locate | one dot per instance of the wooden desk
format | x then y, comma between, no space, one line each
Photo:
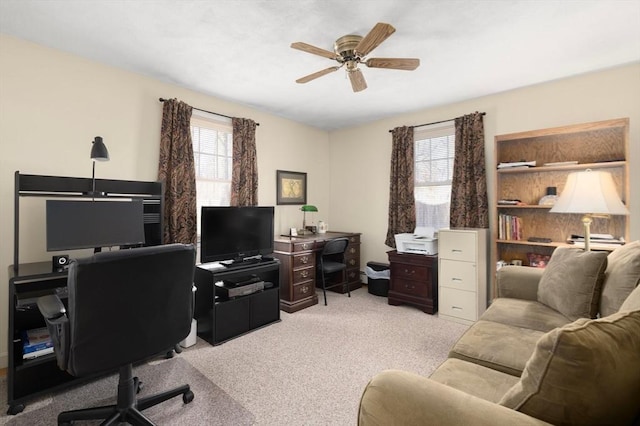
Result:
297,257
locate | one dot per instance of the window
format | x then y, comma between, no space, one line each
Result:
433,173
213,151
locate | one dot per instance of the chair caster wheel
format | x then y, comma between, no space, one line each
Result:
187,397
15,409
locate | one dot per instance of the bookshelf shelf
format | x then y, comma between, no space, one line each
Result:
600,145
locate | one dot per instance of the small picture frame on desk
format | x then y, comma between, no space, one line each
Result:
293,232
291,187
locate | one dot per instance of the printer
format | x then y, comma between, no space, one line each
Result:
423,240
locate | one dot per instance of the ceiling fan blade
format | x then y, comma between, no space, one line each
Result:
314,50
377,35
357,80
315,75
408,64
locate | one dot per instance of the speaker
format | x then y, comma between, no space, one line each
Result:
60,262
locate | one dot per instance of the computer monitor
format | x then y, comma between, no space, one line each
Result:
76,224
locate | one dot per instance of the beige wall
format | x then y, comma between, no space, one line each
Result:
52,104
360,156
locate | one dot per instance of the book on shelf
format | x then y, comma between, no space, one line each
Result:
36,342
509,227
597,239
560,163
510,202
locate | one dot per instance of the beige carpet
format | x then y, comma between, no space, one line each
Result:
311,367
210,402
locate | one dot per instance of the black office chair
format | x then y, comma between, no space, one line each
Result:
331,262
123,307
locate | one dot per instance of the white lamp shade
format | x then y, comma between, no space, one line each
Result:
590,192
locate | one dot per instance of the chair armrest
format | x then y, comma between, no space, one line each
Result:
396,397
51,307
518,282
55,316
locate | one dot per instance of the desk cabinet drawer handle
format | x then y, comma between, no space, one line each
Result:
407,272
304,289
304,274
456,279
456,250
456,307
304,259
352,250
305,246
352,262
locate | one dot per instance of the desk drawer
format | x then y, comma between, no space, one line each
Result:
302,260
409,272
304,246
459,275
458,303
303,290
300,275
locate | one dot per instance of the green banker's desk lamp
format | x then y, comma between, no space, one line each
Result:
306,208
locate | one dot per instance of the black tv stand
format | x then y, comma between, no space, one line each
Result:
220,318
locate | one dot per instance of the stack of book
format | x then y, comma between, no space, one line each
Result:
509,227
36,342
517,164
605,241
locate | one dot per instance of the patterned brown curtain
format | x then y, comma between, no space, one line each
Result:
469,205
402,210
176,169
244,178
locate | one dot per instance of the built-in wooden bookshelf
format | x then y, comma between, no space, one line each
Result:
599,145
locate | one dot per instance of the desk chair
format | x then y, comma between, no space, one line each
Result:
332,261
123,307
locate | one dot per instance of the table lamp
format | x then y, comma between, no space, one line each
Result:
99,152
306,208
591,193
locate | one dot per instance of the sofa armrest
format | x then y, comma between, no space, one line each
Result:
518,282
396,397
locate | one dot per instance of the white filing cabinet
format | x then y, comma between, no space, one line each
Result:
462,279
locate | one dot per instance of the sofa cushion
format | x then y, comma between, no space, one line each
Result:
525,314
572,280
498,346
583,373
620,278
632,302
474,379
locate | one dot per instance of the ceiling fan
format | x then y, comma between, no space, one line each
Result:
351,50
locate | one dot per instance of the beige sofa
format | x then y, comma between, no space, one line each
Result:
559,345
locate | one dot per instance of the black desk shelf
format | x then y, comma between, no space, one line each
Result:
28,281
220,319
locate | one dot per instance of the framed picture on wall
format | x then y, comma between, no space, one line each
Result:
291,187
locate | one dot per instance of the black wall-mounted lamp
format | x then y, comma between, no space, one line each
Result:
99,152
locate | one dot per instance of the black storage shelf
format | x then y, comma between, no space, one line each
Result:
28,378
221,319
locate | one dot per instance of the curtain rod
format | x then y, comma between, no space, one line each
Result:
435,122
204,110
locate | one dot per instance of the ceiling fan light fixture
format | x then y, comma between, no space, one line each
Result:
351,49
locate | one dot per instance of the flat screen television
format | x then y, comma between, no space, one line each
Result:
73,224
235,233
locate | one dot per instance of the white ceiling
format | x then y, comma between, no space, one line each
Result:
238,50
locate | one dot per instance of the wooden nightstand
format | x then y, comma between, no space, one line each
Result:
414,280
